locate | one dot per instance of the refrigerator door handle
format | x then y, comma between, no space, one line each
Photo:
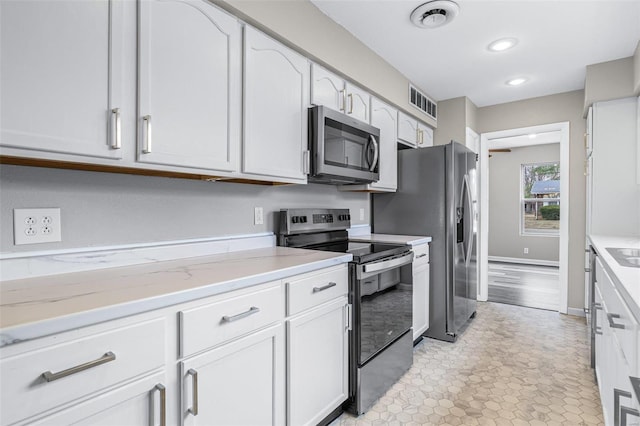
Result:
470,216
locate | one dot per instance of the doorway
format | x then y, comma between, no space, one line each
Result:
530,220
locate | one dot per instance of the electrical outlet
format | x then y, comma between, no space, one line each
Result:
34,226
526,250
258,217
361,214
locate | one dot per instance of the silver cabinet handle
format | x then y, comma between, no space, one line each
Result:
612,323
350,96
343,92
420,256
324,287
146,149
163,403
107,357
376,153
626,411
194,388
116,130
594,323
230,318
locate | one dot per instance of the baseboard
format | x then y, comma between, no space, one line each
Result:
524,261
576,312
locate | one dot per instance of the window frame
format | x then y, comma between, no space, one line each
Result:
522,200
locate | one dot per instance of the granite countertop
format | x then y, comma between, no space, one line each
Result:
410,240
36,307
626,278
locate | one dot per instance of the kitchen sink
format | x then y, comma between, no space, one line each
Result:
626,256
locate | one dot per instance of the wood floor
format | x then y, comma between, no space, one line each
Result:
532,286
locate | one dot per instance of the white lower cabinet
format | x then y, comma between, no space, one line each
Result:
317,353
616,354
239,383
141,403
420,281
317,345
222,360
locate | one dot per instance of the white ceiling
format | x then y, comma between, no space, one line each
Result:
557,40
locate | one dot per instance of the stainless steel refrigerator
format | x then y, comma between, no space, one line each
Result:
436,197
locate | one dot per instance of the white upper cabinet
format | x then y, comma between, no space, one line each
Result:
332,91
358,102
425,136
407,129
61,77
189,85
276,100
385,118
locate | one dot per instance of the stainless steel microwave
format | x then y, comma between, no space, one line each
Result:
343,149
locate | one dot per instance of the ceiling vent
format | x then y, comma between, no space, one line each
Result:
434,14
422,102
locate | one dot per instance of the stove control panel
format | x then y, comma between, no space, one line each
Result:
293,221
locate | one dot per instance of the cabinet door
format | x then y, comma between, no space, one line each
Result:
141,403
420,300
407,129
358,102
327,89
317,362
61,76
425,136
240,383
276,99
385,118
190,76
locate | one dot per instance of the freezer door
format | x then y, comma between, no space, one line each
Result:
459,202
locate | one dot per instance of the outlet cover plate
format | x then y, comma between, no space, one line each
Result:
35,226
258,216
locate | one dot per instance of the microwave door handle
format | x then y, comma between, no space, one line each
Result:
376,153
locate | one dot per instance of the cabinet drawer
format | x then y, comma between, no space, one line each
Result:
209,325
25,390
420,254
307,291
620,319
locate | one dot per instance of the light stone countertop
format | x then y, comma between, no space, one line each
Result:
410,240
36,307
626,278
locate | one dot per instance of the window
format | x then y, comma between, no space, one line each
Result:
540,199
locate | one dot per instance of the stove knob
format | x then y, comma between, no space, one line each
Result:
348,217
294,219
303,219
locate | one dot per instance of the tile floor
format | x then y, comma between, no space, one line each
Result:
512,366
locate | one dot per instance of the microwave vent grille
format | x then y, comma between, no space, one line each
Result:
422,102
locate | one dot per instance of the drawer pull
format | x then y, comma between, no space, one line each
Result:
624,412
116,130
50,377
163,403
194,389
594,323
617,407
251,311
146,149
612,323
420,255
324,287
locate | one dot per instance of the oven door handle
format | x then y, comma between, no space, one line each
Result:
369,269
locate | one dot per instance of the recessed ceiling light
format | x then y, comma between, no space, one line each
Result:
516,81
502,44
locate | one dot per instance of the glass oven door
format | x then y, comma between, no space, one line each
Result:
383,304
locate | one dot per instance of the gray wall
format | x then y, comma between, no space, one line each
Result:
451,121
608,80
504,205
553,109
636,70
100,209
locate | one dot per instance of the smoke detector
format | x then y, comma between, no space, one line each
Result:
434,14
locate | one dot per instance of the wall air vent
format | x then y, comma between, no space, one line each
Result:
422,102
